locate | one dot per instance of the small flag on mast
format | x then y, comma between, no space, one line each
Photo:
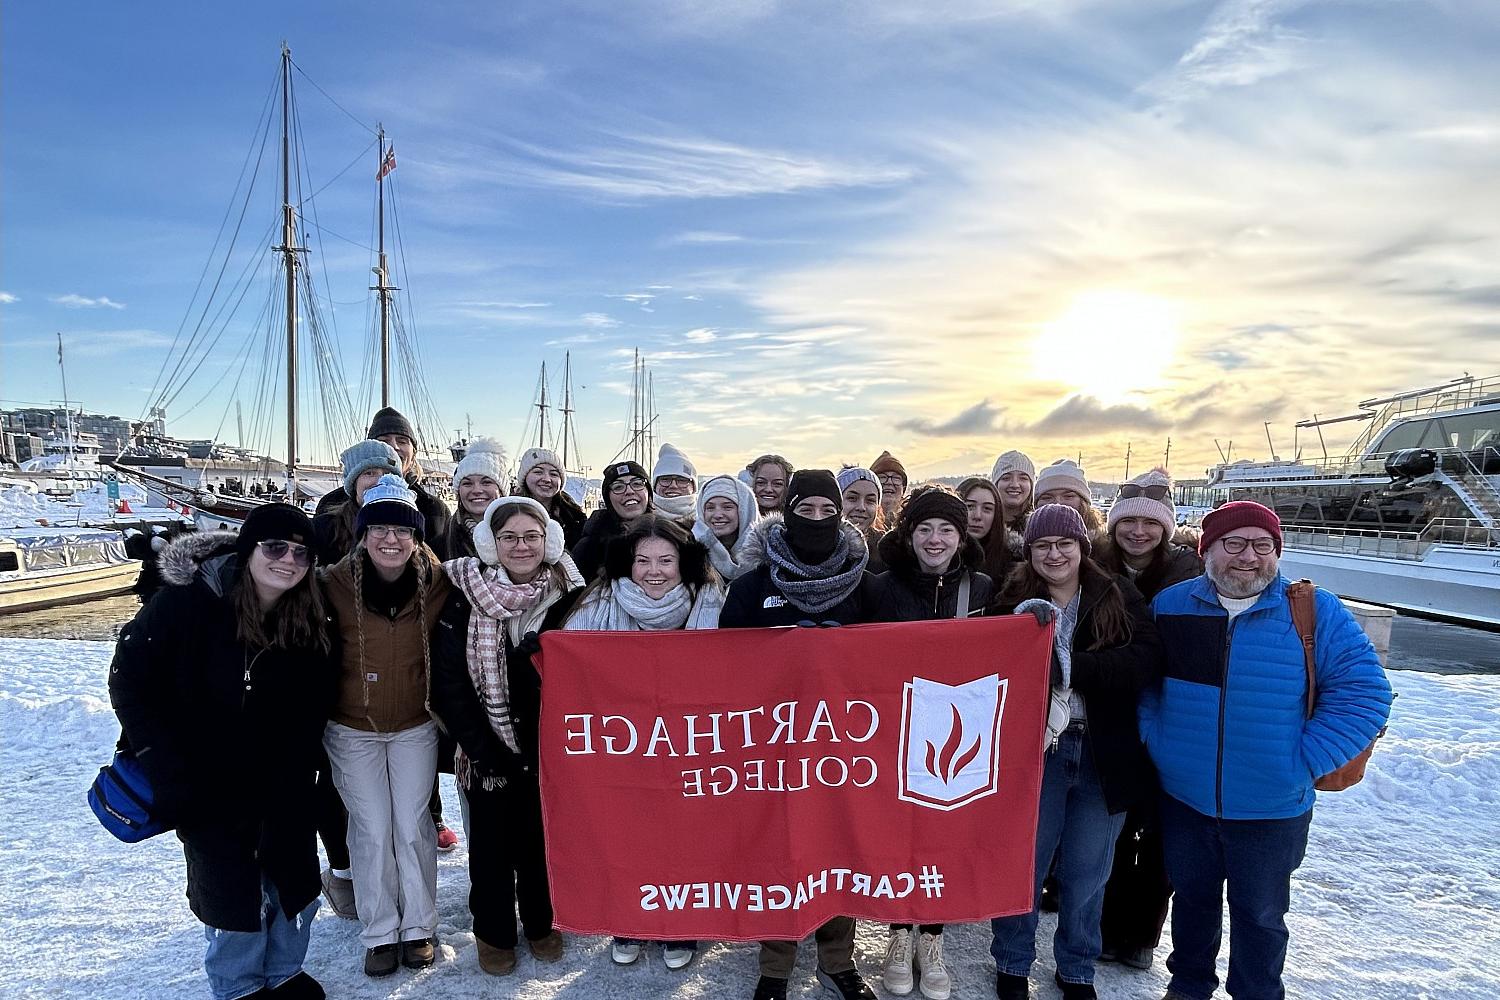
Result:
388,164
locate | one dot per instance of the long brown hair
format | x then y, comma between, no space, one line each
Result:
421,560
1111,620
298,619
996,544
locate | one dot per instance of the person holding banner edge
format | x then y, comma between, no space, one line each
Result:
655,578
809,568
934,573
487,693
1106,652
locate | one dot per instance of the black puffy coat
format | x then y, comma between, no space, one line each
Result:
755,601
230,736
602,526
456,703
1110,681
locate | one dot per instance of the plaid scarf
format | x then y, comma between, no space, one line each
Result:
496,601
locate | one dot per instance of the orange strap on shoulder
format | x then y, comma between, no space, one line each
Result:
1303,597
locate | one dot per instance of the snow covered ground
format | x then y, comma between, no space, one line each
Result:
1399,897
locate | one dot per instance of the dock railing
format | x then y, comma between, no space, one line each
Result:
1462,532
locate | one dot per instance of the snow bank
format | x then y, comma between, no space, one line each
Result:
23,505
1398,897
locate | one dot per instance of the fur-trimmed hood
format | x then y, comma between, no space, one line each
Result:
754,554
209,554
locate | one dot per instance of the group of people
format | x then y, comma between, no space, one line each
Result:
312,676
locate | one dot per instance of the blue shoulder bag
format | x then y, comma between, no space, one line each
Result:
122,799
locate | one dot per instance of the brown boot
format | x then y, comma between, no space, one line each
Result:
547,949
418,954
496,961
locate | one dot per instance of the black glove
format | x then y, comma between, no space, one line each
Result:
530,644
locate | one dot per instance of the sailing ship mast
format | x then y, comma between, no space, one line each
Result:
289,251
569,432
385,162
542,408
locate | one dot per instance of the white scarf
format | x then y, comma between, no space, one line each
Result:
625,607
726,561
674,508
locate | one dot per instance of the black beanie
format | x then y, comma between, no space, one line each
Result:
812,483
814,541
274,521
389,420
620,470
934,501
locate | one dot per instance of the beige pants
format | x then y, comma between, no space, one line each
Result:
835,950
385,780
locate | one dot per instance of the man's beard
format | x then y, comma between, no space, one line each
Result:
1238,588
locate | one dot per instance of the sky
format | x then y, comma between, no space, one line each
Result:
946,229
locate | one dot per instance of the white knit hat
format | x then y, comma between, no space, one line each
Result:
1162,511
485,457
1013,461
532,457
1064,474
728,487
484,535
672,462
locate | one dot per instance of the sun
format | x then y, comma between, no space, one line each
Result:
1109,343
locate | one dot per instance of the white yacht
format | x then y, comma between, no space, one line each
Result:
1409,517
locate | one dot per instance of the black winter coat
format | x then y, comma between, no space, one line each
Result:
1110,681
754,600
903,593
439,519
602,526
230,736
457,704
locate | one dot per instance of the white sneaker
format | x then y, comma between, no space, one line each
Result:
623,952
677,954
896,975
936,983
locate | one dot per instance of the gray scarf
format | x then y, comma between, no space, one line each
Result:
815,589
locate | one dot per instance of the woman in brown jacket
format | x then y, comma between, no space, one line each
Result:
382,740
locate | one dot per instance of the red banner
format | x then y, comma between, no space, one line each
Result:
751,784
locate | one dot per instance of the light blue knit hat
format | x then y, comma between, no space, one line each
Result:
852,474
366,455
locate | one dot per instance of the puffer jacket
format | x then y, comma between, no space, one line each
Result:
229,734
755,601
1227,728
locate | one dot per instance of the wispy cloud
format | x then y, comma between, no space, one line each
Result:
6,298
978,419
1242,44
699,237
702,335
74,301
99,343
598,320
635,167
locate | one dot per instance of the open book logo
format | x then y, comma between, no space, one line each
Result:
950,741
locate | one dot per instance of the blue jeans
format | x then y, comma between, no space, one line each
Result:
239,963
1256,857
1074,823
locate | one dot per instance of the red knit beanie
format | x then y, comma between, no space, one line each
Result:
1238,514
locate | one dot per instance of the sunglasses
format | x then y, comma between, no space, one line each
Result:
1132,490
276,549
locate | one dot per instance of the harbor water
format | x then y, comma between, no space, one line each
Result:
1416,644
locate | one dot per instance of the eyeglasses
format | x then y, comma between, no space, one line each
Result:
891,479
276,548
1235,544
1063,546
511,539
678,481
1131,490
635,485
388,530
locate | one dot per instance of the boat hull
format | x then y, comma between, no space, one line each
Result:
50,589
1449,582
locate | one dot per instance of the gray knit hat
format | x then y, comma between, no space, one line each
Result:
1150,496
1013,461
366,455
532,457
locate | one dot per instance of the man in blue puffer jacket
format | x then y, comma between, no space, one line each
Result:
1236,751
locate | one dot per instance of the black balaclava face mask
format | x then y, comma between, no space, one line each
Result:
812,541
